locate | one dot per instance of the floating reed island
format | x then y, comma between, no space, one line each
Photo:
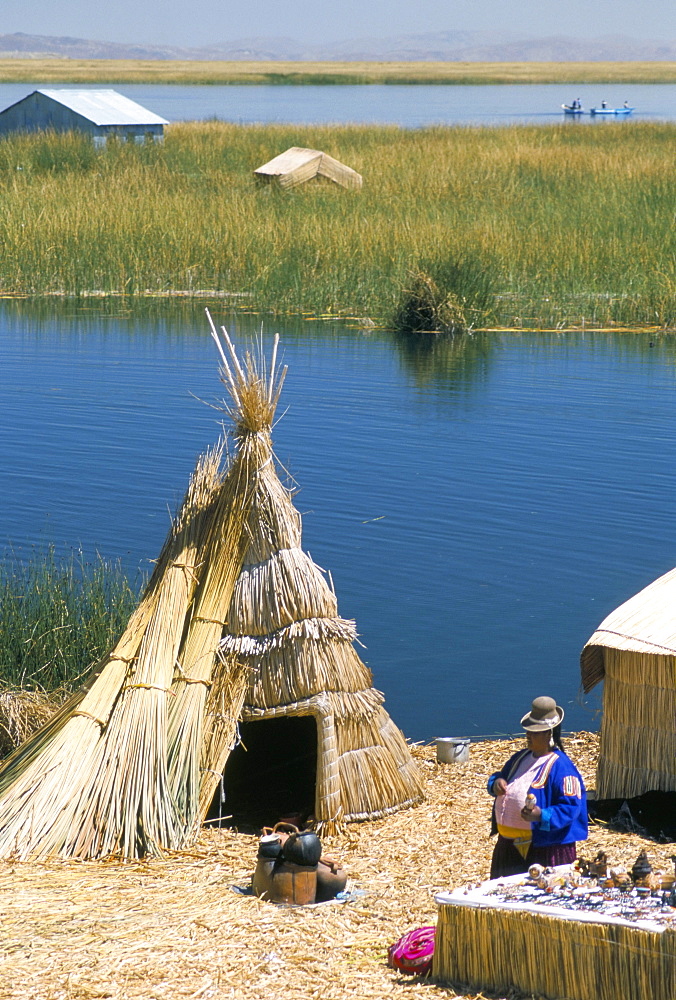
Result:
173,926
128,766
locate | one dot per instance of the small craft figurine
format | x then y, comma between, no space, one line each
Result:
598,868
620,878
641,870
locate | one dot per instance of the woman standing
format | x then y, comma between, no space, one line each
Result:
540,808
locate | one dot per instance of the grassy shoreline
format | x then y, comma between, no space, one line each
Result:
528,227
73,71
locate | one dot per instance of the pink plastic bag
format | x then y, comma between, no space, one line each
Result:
413,952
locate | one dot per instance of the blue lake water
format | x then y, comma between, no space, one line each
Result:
481,503
407,106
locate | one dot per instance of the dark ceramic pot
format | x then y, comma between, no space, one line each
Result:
270,846
304,848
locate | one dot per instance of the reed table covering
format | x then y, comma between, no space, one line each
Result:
537,943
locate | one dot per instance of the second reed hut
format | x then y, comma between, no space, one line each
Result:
633,651
298,165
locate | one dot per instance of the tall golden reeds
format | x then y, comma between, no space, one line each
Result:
505,203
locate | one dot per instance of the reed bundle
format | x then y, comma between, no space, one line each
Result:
254,395
501,950
198,649
21,713
116,771
93,780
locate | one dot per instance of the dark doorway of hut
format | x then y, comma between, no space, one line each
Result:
270,776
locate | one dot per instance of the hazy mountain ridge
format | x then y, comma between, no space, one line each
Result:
448,46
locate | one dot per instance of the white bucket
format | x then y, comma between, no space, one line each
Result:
452,750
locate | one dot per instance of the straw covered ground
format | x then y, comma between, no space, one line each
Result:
175,927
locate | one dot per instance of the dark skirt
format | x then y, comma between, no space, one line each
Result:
507,860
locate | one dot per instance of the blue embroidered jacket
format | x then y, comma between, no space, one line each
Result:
560,793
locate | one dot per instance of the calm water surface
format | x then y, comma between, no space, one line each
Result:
481,503
408,106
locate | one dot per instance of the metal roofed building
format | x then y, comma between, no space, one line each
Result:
100,113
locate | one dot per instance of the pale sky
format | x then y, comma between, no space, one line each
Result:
203,22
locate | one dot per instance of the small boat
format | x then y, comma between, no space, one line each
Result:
568,109
610,111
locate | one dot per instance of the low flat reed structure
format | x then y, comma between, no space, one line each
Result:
572,225
633,651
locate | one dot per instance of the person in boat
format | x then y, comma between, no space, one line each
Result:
604,104
540,808
626,104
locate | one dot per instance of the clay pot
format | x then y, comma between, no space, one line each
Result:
331,879
293,884
262,876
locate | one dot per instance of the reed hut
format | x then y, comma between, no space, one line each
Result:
316,738
633,652
297,165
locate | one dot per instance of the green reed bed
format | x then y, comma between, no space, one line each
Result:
58,617
529,226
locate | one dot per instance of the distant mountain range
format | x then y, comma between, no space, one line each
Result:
445,46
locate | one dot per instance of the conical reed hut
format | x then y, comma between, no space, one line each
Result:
128,765
310,710
633,651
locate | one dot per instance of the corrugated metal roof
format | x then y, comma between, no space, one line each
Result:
104,107
646,623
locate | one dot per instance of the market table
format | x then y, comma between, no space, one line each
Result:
505,934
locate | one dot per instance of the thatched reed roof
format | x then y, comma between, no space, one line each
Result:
298,165
646,623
